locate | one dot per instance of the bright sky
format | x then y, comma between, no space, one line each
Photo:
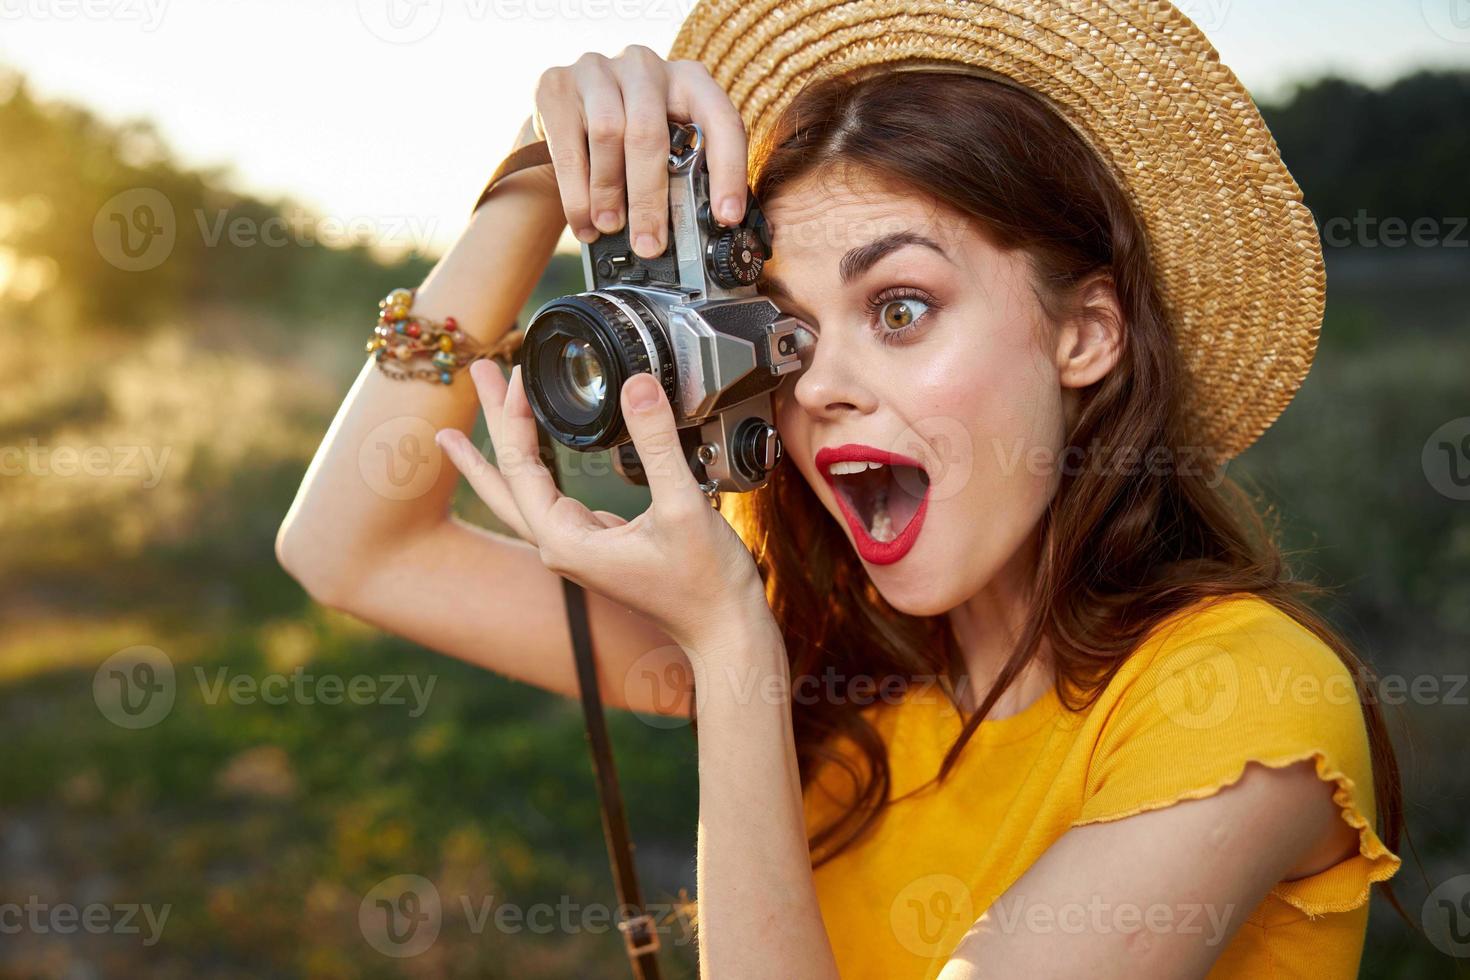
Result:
393,113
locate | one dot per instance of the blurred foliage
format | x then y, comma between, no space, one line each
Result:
1397,151
208,380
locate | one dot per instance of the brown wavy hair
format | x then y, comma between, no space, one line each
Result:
1119,552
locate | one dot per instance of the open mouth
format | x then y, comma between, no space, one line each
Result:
884,496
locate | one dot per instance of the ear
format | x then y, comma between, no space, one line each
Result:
1090,341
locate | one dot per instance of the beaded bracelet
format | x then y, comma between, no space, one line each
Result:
400,337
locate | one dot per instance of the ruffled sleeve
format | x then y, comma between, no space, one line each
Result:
1234,682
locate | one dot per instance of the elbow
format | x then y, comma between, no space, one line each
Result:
302,560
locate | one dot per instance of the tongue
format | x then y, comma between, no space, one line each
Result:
893,508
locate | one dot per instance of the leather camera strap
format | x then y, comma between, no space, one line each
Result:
639,929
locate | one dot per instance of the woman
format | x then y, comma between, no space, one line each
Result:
1034,695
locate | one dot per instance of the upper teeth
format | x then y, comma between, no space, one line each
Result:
851,466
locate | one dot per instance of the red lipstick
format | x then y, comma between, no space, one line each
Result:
873,551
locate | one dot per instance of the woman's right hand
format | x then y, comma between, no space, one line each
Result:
606,124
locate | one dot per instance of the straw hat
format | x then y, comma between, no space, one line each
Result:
1237,255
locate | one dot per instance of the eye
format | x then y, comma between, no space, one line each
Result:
899,313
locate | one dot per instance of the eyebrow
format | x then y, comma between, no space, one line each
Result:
862,258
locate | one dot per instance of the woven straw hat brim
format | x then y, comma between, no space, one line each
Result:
1236,253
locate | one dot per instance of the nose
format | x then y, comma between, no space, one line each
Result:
832,385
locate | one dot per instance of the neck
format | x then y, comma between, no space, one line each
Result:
987,626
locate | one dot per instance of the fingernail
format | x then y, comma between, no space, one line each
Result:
587,235
647,245
730,208
642,395
608,221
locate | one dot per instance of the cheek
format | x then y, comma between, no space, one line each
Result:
987,412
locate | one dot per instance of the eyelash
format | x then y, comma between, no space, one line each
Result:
892,295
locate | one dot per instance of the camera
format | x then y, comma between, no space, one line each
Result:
691,317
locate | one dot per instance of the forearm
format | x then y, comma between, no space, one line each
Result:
377,475
758,912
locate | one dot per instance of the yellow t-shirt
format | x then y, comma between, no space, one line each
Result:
1223,683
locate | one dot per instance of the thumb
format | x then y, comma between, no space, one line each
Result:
650,421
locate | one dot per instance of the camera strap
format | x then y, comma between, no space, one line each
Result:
639,929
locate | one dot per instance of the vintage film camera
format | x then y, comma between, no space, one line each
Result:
691,317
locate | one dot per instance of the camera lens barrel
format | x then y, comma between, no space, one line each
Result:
579,351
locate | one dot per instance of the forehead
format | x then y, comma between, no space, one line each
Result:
843,207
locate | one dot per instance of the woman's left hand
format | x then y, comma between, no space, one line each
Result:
679,563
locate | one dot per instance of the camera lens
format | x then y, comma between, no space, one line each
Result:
582,375
578,352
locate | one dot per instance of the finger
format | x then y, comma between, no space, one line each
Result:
695,95
484,479
517,449
602,114
650,421
490,388
566,142
608,519
644,84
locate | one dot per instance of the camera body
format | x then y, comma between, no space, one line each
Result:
691,317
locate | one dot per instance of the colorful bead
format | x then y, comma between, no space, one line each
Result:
451,324
413,330
445,377
446,343
400,297
399,327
